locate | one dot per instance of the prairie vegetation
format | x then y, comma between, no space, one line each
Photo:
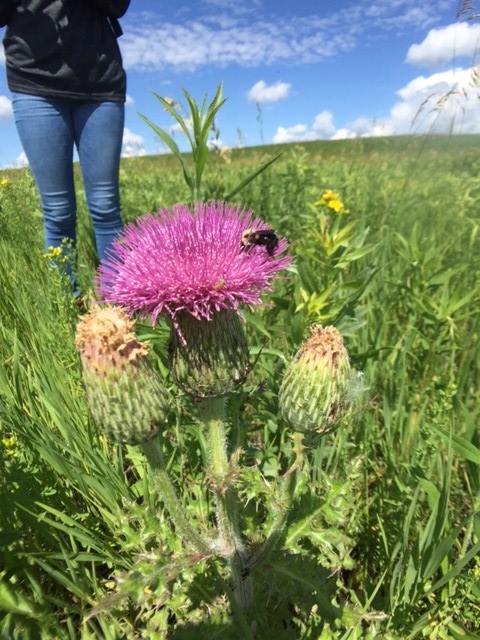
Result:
383,538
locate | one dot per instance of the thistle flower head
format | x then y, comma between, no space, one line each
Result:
189,261
319,388
125,394
108,342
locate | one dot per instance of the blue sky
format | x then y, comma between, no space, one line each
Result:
295,70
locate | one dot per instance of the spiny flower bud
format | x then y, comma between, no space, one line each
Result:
319,388
125,394
209,358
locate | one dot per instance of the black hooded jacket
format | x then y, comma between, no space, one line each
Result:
64,48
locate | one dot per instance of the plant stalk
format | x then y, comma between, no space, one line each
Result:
153,452
231,546
283,500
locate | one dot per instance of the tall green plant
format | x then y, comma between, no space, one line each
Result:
197,126
209,361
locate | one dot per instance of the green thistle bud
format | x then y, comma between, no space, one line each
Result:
319,388
209,358
125,394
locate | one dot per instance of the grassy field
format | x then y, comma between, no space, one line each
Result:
383,535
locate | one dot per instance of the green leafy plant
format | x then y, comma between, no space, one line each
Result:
384,526
197,126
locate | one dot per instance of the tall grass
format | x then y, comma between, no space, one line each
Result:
388,520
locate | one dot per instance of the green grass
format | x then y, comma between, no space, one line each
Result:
384,536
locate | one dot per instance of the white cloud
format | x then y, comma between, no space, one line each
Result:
343,134
5,108
323,124
21,160
404,14
323,128
295,133
364,128
261,93
445,102
442,102
368,127
224,37
446,44
129,100
132,144
189,46
429,85
176,129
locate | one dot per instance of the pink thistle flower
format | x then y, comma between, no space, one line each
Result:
189,261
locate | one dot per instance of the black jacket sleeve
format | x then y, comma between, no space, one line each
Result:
7,8
111,8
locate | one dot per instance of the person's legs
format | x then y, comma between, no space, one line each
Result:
46,132
98,137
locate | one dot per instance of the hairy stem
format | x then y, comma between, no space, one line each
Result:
283,500
231,546
153,452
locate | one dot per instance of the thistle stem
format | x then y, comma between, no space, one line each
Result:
282,504
231,546
212,415
153,452
281,511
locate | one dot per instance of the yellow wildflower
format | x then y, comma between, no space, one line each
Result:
329,195
4,182
10,444
336,205
332,201
56,254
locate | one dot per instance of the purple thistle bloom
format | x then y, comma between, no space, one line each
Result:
181,260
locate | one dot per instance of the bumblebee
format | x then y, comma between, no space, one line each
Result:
263,237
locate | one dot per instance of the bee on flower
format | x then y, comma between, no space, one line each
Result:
197,266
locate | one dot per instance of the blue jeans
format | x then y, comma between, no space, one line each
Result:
49,129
